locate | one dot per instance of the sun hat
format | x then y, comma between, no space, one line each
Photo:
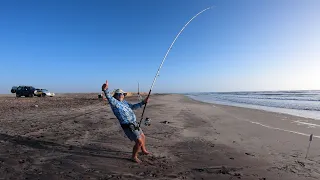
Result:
120,91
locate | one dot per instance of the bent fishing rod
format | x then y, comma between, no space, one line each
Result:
157,74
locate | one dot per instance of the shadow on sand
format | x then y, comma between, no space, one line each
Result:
74,150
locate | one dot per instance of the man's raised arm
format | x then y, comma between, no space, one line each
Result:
113,101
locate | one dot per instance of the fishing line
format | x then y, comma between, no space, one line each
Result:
157,74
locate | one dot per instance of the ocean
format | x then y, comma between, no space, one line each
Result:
298,103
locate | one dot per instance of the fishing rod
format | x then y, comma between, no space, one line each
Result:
157,74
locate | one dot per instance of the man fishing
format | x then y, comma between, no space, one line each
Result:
127,119
123,110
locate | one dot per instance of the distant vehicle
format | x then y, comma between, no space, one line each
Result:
26,91
38,92
14,89
43,93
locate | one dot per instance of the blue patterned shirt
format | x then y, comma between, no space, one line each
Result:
122,109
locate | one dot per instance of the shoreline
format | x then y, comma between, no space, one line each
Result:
284,111
289,116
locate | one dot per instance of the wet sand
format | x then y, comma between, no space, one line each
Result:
76,136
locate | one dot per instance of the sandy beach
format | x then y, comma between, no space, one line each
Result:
76,136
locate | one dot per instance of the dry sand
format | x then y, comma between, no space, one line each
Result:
76,136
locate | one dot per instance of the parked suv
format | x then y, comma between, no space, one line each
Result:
27,91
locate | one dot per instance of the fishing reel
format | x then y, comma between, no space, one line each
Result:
147,122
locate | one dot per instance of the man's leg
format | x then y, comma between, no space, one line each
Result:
143,146
135,151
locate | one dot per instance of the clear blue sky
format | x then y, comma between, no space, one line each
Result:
74,46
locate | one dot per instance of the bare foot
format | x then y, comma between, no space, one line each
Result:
137,160
145,152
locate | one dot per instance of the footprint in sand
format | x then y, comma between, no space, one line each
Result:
249,154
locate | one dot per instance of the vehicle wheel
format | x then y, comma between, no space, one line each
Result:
43,95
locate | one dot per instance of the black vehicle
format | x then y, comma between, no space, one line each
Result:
27,91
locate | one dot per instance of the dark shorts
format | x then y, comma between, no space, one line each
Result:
133,135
